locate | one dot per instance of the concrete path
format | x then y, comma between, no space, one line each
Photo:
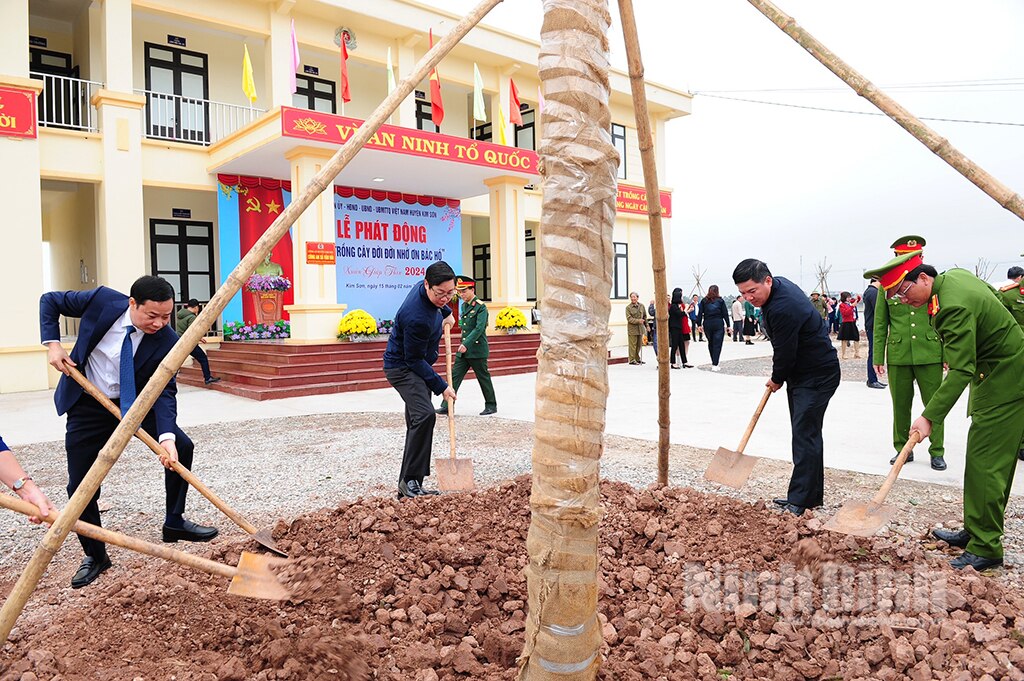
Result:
707,410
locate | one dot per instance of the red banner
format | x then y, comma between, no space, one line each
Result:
324,127
258,207
17,112
319,253
631,199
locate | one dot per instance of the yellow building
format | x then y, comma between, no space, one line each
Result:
141,136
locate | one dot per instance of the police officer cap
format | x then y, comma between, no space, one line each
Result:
908,244
893,272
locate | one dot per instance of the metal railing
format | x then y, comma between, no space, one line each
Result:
67,102
196,121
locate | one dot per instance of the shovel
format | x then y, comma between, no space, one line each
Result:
864,519
453,475
261,536
252,578
733,468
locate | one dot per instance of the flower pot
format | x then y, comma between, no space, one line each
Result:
511,330
359,338
268,305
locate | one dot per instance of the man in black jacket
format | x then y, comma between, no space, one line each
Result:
870,300
806,362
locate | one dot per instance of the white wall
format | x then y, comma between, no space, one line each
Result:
69,226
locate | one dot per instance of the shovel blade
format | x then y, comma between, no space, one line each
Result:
266,540
730,468
254,578
454,475
859,518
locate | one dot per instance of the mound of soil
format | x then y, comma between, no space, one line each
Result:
693,586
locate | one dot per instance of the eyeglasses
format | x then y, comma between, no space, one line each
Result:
443,295
901,292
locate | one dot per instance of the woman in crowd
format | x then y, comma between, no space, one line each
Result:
677,322
848,332
713,320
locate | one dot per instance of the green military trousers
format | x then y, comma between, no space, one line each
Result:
901,389
462,364
995,437
634,347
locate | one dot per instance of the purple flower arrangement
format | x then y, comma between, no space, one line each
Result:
385,325
265,282
243,331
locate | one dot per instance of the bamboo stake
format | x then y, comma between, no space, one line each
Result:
940,146
55,536
645,139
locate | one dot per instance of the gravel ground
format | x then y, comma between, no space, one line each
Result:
852,369
281,468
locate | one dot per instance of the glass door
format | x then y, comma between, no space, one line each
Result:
178,90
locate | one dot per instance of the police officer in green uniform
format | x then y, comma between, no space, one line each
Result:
906,343
984,348
1012,295
473,352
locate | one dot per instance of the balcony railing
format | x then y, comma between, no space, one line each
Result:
67,102
196,121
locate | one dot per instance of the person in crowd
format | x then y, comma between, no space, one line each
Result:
1012,296
819,304
737,320
848,333
804,360
713,319
693,310
19,482
984,348
183,320
677,322
473,351
408,366
837,319
121,342
652,326
870,301
636,323
749,321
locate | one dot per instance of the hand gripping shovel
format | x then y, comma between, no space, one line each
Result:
733,468
864,519
261,536
453,475
252,578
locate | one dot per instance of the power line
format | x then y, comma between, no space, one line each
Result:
849,111
975,83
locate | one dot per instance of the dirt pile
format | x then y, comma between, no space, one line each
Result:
693,587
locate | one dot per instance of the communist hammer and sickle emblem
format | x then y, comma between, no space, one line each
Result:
252,204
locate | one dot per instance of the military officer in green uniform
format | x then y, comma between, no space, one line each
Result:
908,348
818,303
984,348
473,352
636,322
1012,295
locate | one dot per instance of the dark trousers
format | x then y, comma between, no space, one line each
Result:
654,337
462,365
419,423
808,399
737,331
716,336
676,343
204,363
872,376
88,429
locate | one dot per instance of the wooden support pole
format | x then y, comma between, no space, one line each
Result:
646,141
939,145
55,536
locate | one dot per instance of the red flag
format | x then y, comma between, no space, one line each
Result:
436,104
514,116
345,96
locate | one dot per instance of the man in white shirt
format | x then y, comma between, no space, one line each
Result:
737,320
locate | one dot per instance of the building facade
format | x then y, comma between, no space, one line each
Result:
130,148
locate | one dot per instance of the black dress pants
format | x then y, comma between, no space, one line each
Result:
716,336
676,343
419,423
89,427
204,362
808,398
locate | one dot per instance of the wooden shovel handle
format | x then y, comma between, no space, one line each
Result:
451,402
126,542
894,472
753,420
185,473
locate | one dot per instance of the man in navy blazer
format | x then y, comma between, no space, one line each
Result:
110,324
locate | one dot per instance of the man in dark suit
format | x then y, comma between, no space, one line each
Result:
113,325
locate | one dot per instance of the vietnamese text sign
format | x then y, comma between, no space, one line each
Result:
319,253
384,247
324,127
17,112
631,199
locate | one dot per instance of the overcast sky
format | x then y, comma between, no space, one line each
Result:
795,187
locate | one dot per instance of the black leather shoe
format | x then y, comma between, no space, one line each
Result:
489,410
443,411
416,488
953,537
212,379
938,463
794,509
910,457
780,502
876,384
404,492
979,563
1020,455
88,571
189,531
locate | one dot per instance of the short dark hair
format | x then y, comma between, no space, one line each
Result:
439,272
751,269
1015,272
148,288
192,302
844,296
913,274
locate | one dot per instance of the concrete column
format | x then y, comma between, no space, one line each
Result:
278,56
316,312
22,358
508,249
117,44
404,53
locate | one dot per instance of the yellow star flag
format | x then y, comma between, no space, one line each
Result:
248,84
501,128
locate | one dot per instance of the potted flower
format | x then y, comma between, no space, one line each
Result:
357,326
510,320
384,326
243,331
267,294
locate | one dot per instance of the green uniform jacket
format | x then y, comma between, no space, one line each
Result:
1013,299
819,305
636,319
473,322
905,333
183,320
981,342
